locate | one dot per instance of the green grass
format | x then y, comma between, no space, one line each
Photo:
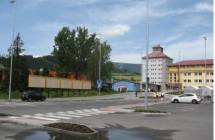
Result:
149,111
126,76
175,93
14,94
75,93
150,97
58,94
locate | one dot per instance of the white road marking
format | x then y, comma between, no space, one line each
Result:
78,114
68,115
26,116
53,116
44,118
56,116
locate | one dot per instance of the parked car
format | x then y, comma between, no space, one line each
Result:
186,98
33,96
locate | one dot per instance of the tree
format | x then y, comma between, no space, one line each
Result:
78,51
20,66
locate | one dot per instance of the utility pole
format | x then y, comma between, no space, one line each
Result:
205,40
13,2
147,46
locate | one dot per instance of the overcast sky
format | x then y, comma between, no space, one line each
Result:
178,25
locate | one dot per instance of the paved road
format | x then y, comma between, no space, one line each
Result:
39,113
67,104
187,121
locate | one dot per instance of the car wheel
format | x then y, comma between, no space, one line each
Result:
194,101
29,100
176,101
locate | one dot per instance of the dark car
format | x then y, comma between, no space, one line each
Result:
33,96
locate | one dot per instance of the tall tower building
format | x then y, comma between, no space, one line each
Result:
158,63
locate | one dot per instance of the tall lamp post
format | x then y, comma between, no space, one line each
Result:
99,66
147,46
205,40
13,2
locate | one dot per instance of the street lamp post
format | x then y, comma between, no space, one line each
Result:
205,40
11,49
99,67
147,46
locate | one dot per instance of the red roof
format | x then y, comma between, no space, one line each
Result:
157,54
194,62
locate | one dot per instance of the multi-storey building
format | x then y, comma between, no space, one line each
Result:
191,73
158,63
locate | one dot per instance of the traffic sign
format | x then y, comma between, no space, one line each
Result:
99,84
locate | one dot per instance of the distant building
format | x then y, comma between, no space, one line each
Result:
191,73
125,86
157,67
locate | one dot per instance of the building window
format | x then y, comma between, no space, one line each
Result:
212,80
188,74
196,81
211,73
207,80
200,73
189,81
174,74
207,73
200,81
185,81
185,74
196,73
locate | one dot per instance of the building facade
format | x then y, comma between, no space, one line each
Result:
191,73
158,63
125,86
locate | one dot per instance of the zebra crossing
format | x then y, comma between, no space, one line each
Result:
67,115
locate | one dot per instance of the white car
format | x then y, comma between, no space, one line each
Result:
186,98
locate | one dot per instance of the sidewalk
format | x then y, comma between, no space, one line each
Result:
127,96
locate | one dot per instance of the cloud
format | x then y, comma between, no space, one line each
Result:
172,38
203,7
196,8
48,26
37,3
127,58
190,49
114,30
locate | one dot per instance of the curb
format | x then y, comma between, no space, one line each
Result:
156,114
71,132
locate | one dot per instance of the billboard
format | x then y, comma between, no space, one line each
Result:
35,81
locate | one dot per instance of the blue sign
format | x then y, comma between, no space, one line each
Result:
99,84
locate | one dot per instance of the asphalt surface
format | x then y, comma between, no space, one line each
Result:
56,106
186,122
